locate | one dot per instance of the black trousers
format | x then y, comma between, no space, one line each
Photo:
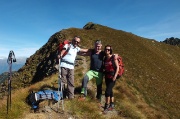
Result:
109,87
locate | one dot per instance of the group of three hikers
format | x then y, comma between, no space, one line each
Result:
98,68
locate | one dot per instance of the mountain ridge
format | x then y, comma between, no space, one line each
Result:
151,67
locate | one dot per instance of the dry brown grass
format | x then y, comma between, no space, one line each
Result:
149,89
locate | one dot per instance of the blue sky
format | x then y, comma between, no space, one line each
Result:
26,25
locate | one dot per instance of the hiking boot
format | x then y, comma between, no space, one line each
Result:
106,108
111,107
81,98
84,91
99,97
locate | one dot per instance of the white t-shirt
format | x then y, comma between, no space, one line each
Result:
68,60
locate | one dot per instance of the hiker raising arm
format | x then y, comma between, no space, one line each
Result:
96,70
82,52
85,52
67,64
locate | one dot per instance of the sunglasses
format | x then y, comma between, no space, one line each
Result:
98,46
76,41
108,49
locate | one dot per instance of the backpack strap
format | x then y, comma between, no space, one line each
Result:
67,50
113,62
69,46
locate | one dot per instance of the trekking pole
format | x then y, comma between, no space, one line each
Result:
60,87
11,58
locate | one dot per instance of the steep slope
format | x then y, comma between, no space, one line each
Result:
152,69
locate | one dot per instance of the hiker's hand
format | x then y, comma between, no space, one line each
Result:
114,78
59,56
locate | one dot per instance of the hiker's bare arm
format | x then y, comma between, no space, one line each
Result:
61,53
85,52
117,67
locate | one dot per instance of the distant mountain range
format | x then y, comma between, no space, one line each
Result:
15,65
148,89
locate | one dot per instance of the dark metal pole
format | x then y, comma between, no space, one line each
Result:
11,58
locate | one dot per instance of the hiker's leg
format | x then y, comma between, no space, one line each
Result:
111,103
107,100
112,83
110,89
63,80
112,99
70,83
84,85
99,91
88,76
109,85
99,81
107,94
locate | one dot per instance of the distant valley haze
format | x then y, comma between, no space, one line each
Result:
4,67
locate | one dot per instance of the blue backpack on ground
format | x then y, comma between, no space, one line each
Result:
35,98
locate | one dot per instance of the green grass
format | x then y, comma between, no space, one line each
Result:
148,89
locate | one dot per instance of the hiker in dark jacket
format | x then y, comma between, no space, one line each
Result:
96,70
111,74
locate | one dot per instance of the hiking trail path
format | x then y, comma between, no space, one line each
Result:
50,111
